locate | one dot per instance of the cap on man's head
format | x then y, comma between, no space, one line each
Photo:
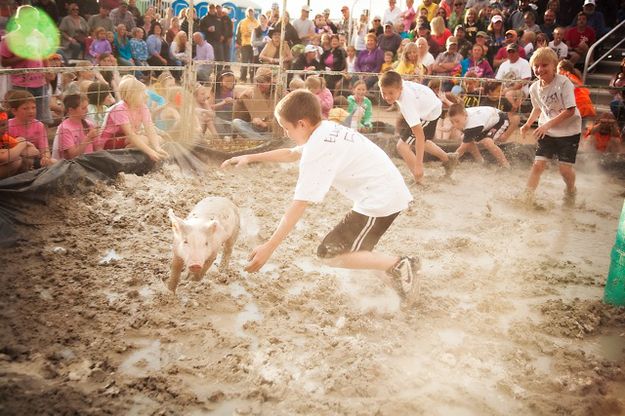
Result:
459,28
310,48
378,18
496,18
326,11
512,47
123,3
591,2
424,25
452,40
306,8
482,34
511,32
388,23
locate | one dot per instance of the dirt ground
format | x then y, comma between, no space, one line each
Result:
509,320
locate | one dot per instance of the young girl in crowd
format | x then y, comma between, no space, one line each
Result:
124,121
224,95
24,124
138,47
204,112
317,86
100,98
360,106
100,44
16,154
75,135
112,78
582,95
387,65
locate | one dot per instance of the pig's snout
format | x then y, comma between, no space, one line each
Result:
195,268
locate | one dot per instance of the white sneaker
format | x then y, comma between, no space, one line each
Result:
404,274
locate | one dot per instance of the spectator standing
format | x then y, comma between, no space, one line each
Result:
346,24
260,36
392,14
457,14
166,20
134,10
330,23
101,20
228,30
579,38
244,42
376,26
49,7
212,27
390,40
74,30
333,59
121,15
304,26
290,33
203,52
174,28
190,16
409,16
360,32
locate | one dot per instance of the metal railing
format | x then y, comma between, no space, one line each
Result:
589,67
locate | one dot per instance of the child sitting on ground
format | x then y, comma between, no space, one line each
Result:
359,103
331,155
75,135
317,86
24,124
483,125
603,136
100,96
125,120
204,112
16,154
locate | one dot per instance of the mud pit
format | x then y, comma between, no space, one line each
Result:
509,322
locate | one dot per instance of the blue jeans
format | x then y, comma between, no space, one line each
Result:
250,131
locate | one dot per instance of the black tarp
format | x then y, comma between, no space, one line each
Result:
67,176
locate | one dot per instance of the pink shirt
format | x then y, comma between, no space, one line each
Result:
118,115
30,80
327,101
70,133
34,132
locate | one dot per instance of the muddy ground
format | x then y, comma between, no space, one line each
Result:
509,321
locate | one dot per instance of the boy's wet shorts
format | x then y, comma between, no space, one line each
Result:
405,132
494,132
563,148
355,232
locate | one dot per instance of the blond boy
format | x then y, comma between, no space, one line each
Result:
331,155
559,123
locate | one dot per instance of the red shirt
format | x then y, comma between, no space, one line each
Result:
574,37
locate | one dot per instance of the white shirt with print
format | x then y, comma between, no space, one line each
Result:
553,99
418,103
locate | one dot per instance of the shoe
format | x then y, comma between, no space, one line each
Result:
528,198
404,274
451,163
569,198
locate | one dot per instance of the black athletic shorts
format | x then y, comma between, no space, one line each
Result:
494,132
405,132
564,148
355,232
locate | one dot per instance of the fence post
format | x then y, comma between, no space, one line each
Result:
615,285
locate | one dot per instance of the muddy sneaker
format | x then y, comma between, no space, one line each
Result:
528,198
404,275
569,198
451,163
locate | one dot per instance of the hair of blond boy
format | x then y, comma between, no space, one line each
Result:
456,109
131,90
390,79
544,55
16,98
299,105
296,83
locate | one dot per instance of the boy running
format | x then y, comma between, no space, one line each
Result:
483,125
421,109
559,123
331,155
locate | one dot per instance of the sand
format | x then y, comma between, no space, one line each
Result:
509,320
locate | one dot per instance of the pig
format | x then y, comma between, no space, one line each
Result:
214,222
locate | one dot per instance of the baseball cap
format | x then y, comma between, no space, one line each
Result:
388,23
377,18
306,8
482,34
310,48
123,3
512,47
496,18
587,2
326,11
424,25
511,32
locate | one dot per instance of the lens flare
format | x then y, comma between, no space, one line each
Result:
32,34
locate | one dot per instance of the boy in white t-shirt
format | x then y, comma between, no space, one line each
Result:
331,155
557,44
559,123
483,125
421,109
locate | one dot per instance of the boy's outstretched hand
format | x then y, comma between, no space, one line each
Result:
236,161
258,257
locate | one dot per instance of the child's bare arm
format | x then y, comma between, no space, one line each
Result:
278,155
262,253
531,119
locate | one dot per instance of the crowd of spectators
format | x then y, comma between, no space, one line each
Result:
457,39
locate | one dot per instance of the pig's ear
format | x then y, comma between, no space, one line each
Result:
175,221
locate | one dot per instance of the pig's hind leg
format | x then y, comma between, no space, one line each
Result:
228,247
